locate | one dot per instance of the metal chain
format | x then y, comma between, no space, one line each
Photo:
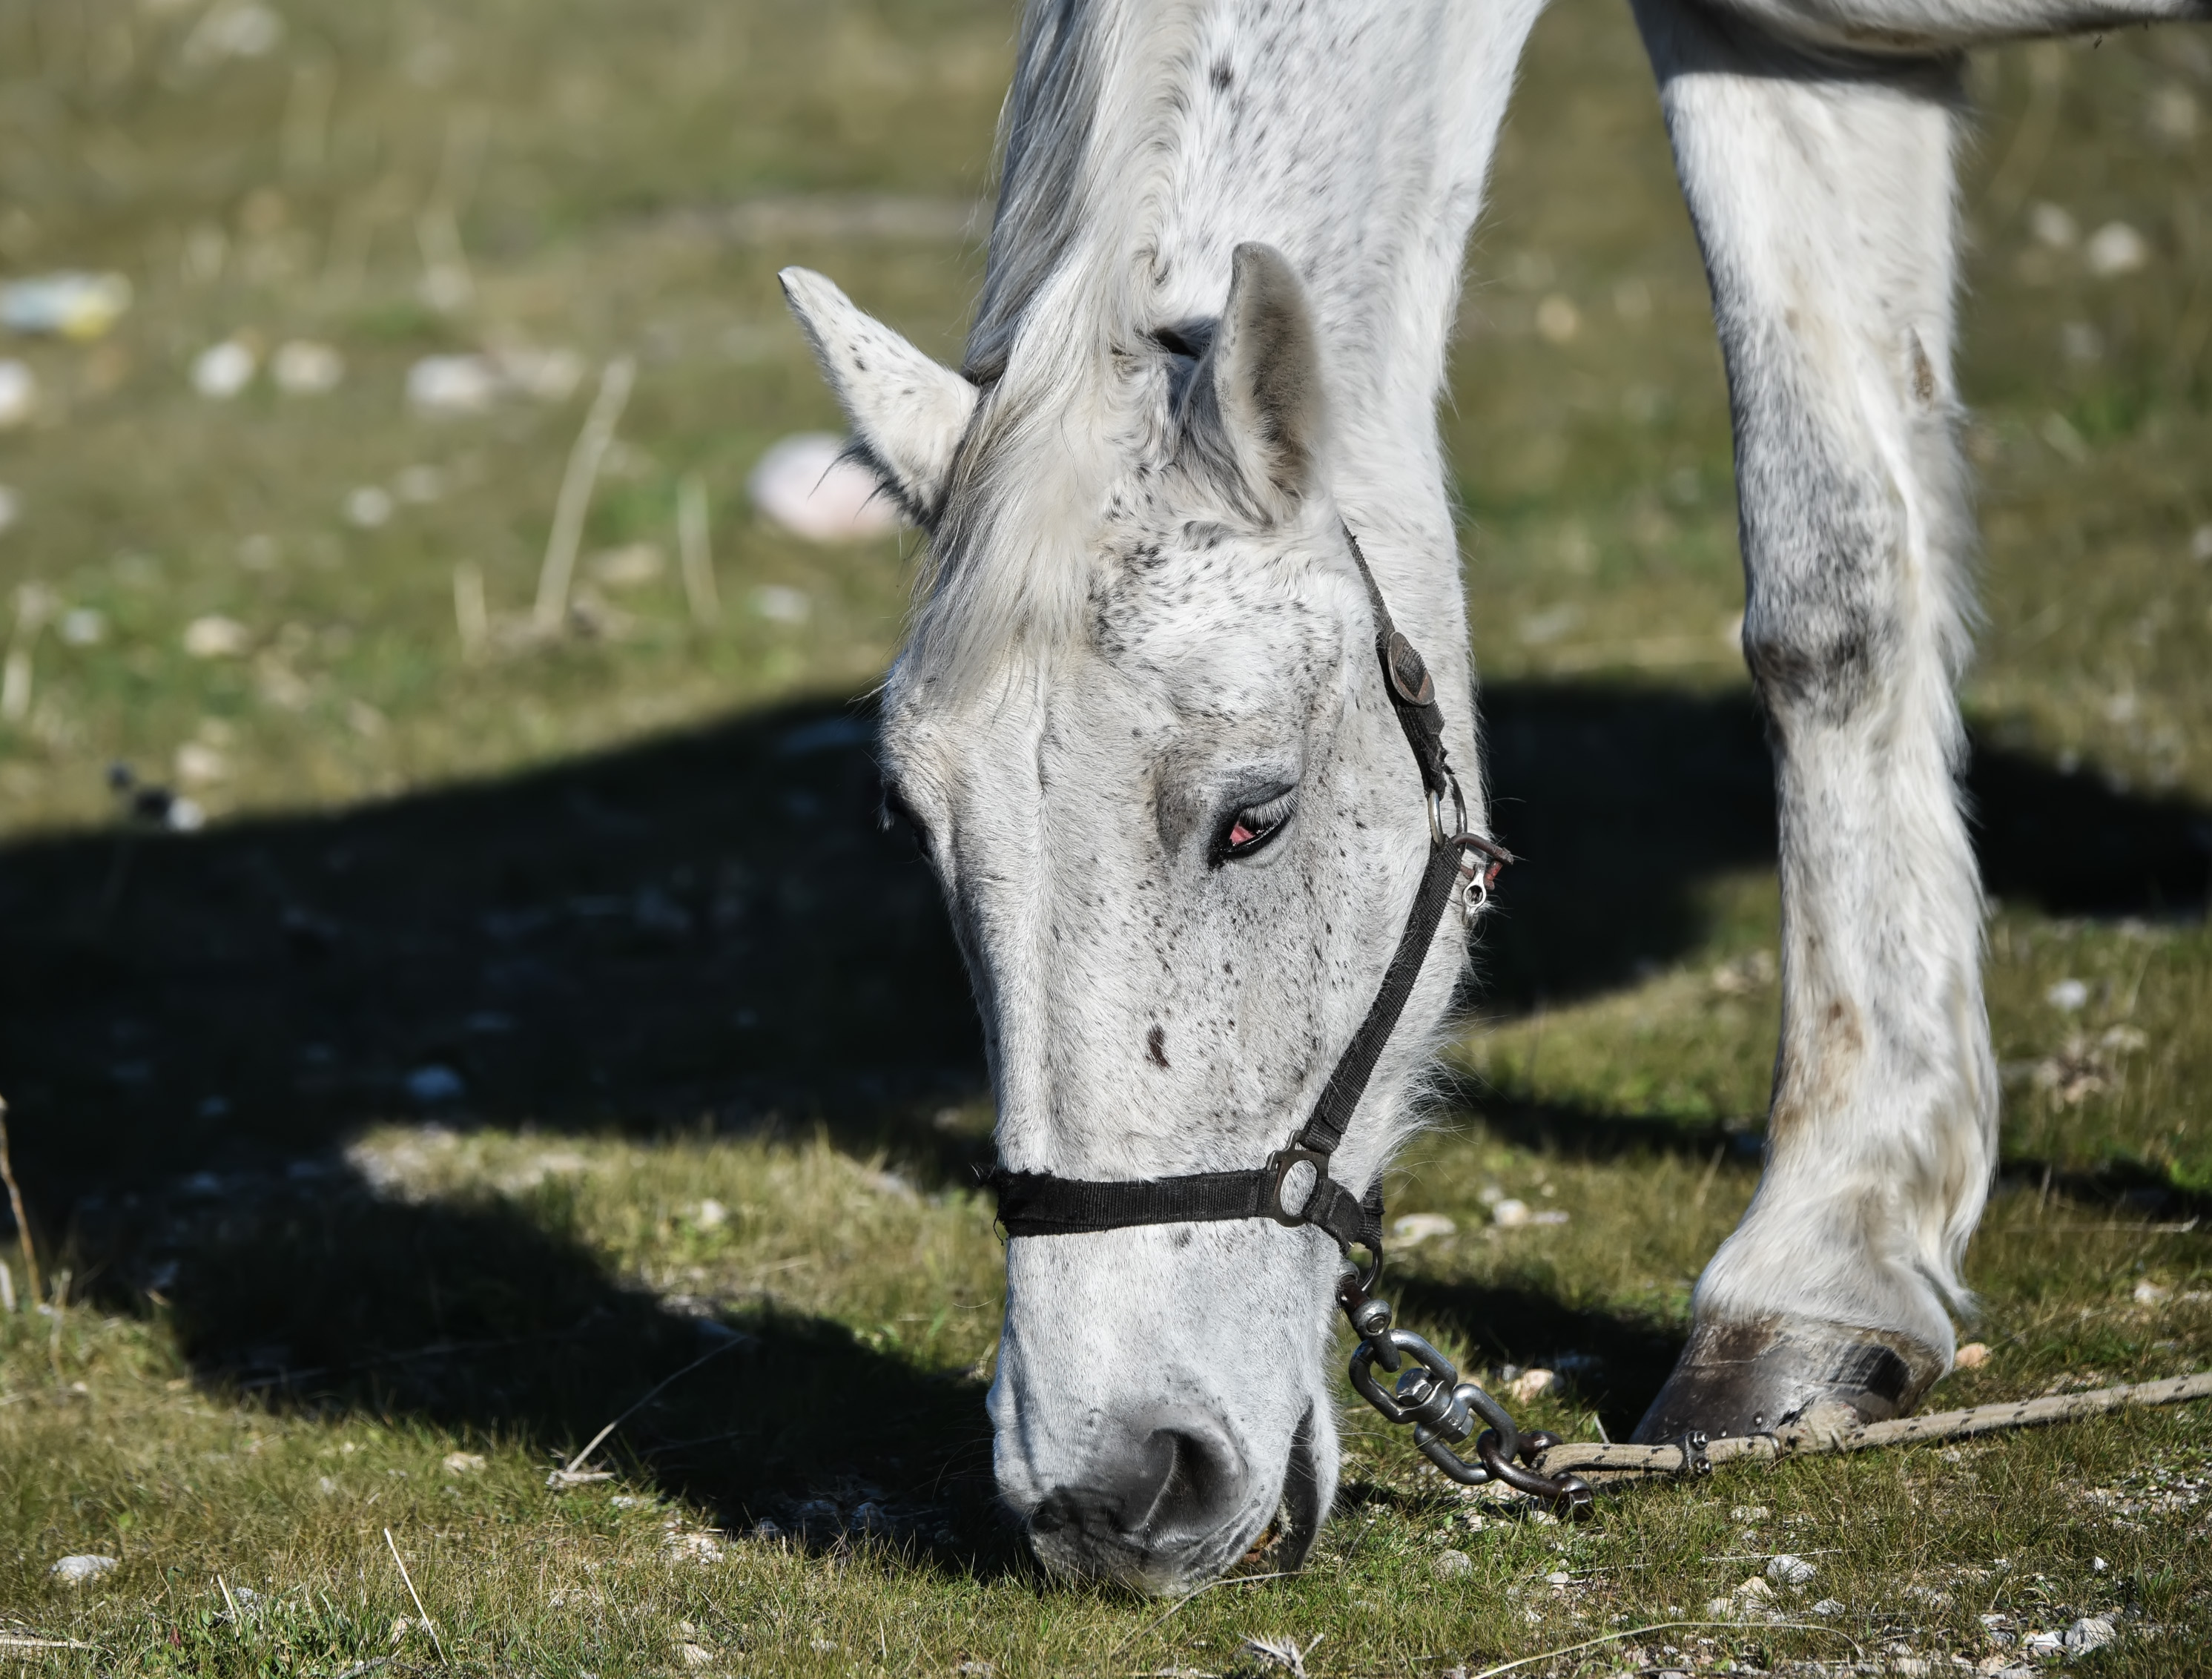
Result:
1441,1410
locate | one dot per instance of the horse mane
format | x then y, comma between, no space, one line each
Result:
1074,389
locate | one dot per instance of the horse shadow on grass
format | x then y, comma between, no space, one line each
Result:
710,930
310,1292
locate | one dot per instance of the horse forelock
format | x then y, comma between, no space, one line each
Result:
1076,393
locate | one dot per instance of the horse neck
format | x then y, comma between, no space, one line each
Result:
1146,139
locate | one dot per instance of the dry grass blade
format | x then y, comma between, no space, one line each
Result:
695,551
1665,1627
429,1625
574,499
22,1219
1189,1597
15,1642
575,1473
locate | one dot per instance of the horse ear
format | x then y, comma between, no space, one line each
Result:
909,413
1262,372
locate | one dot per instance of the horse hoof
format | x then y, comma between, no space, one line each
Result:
1758,1377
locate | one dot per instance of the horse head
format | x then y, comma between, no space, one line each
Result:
1141,732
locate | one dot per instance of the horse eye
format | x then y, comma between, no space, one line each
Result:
896,813
1253,827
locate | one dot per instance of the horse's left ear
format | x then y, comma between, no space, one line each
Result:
1262,374
909,413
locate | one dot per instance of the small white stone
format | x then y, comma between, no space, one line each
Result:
452,385
1973,1356
2174,115
83,626
2067,995
76,1570
780,605
368,507
1558,320
1828,1606
198,765
2091,1632
1415,1228
1453,1564
805,484
18,394
1530,1383
236,32
1509,1212
464,1462
216,637
2148,1293
712,1214
695,1655
1787,1570
220,371
2052,226
2116,249
1756,1591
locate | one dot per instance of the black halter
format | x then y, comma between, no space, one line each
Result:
1035,1203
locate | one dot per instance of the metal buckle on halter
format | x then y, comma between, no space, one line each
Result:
1281,1165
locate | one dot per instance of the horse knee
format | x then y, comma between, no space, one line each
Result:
1821,630
1822,659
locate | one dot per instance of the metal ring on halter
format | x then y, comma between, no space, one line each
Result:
1440,836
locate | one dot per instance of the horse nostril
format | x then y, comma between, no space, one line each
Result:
1184,1484
1061,1508
1158,1493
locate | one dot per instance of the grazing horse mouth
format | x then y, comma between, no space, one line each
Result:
1147,1523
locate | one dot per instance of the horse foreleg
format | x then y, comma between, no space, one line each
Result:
1822,195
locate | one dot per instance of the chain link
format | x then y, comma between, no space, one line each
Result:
1441,1410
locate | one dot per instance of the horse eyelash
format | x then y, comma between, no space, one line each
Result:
1265,820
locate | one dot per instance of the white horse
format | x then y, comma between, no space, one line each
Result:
1140,727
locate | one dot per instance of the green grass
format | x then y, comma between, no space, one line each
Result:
721,1090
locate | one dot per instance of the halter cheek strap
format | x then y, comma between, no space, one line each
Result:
1295,1187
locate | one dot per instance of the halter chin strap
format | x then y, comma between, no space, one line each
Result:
1295,1187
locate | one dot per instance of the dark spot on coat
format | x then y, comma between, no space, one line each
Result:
1155,1045
1924,372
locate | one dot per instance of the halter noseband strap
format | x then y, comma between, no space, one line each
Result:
1295,1187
